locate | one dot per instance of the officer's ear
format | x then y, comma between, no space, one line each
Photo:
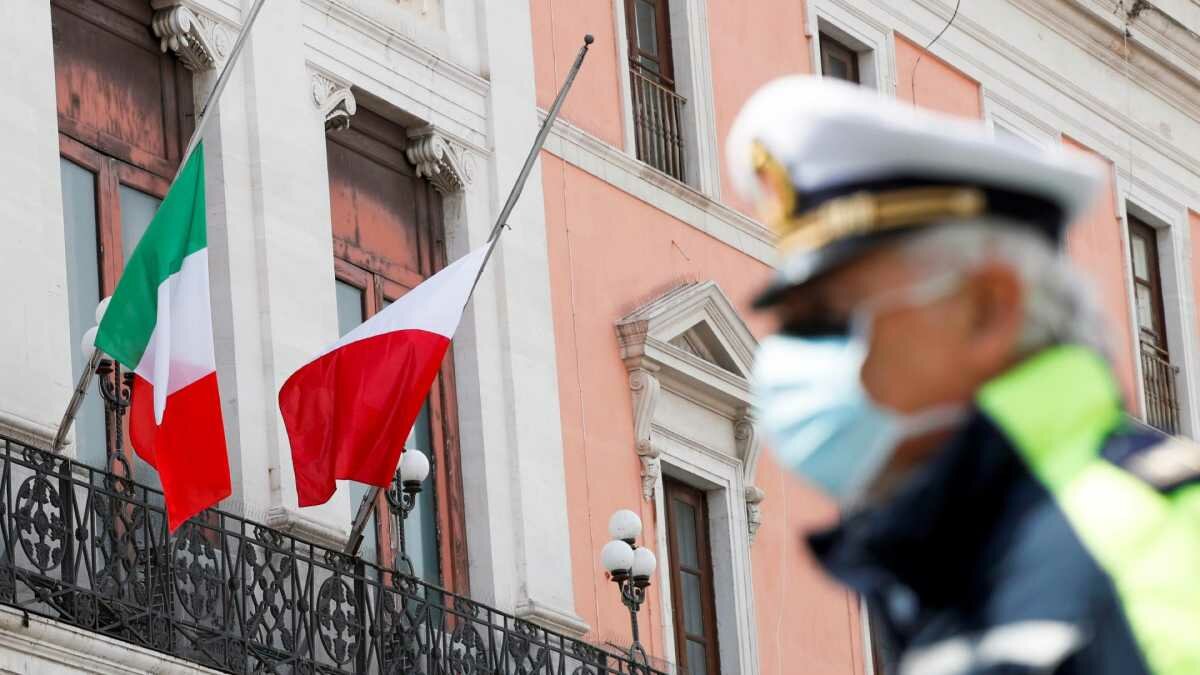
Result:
997,307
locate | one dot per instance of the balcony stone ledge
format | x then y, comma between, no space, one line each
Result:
46,646
553,619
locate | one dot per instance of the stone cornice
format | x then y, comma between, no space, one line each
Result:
1163,36
403,38
1164,64
1045,72
627,173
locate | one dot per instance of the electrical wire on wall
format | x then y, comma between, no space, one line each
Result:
912,78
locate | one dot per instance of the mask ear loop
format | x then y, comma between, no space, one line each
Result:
924,292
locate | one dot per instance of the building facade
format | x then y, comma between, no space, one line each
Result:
601,365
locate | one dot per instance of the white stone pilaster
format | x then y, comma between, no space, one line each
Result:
271,249
509,420
33,306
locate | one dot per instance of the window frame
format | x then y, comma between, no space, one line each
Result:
383,279
116,162
676,490
1140,230
665,58
832,47
871,39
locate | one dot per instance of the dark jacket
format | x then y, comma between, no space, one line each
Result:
1009,553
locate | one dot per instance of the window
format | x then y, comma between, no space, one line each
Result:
1158,375
691,571
387,239
124,115
657,107
838,61
358,298
699,452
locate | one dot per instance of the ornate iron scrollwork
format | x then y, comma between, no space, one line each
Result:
39,521
269,572
339,619
93,551
198,579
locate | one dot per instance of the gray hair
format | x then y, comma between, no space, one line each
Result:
1059,305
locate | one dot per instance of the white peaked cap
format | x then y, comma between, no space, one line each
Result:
831,133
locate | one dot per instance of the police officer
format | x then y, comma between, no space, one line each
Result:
939,370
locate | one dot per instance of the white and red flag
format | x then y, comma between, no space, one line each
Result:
349,411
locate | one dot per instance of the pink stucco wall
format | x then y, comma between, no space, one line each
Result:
595,101
749,49
939,86
609,253
1097,246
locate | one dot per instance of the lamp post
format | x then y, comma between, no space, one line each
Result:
115,385
402,496
630,567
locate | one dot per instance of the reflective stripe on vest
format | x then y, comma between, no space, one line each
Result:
1057,408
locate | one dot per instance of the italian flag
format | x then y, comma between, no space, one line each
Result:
349,411
159,325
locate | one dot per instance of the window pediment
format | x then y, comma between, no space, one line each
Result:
694,339
692,343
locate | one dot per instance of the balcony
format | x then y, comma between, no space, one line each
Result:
89,548
1158,379
657,124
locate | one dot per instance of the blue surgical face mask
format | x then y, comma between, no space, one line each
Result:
820,420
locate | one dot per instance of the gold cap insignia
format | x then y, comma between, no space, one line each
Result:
862,212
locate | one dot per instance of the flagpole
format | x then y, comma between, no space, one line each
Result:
364,507
515,193
202,118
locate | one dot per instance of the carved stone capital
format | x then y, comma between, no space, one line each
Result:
745,436
754,497
200,40
645,388
334,99
445,164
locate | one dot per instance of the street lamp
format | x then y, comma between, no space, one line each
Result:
402,495
630,567
116,389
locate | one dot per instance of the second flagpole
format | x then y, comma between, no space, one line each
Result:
363,514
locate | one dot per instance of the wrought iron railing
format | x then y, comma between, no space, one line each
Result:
657,124
89,548
1158,380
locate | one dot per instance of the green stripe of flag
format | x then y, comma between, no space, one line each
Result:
177,230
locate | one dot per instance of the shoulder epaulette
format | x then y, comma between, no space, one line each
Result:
1166,465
